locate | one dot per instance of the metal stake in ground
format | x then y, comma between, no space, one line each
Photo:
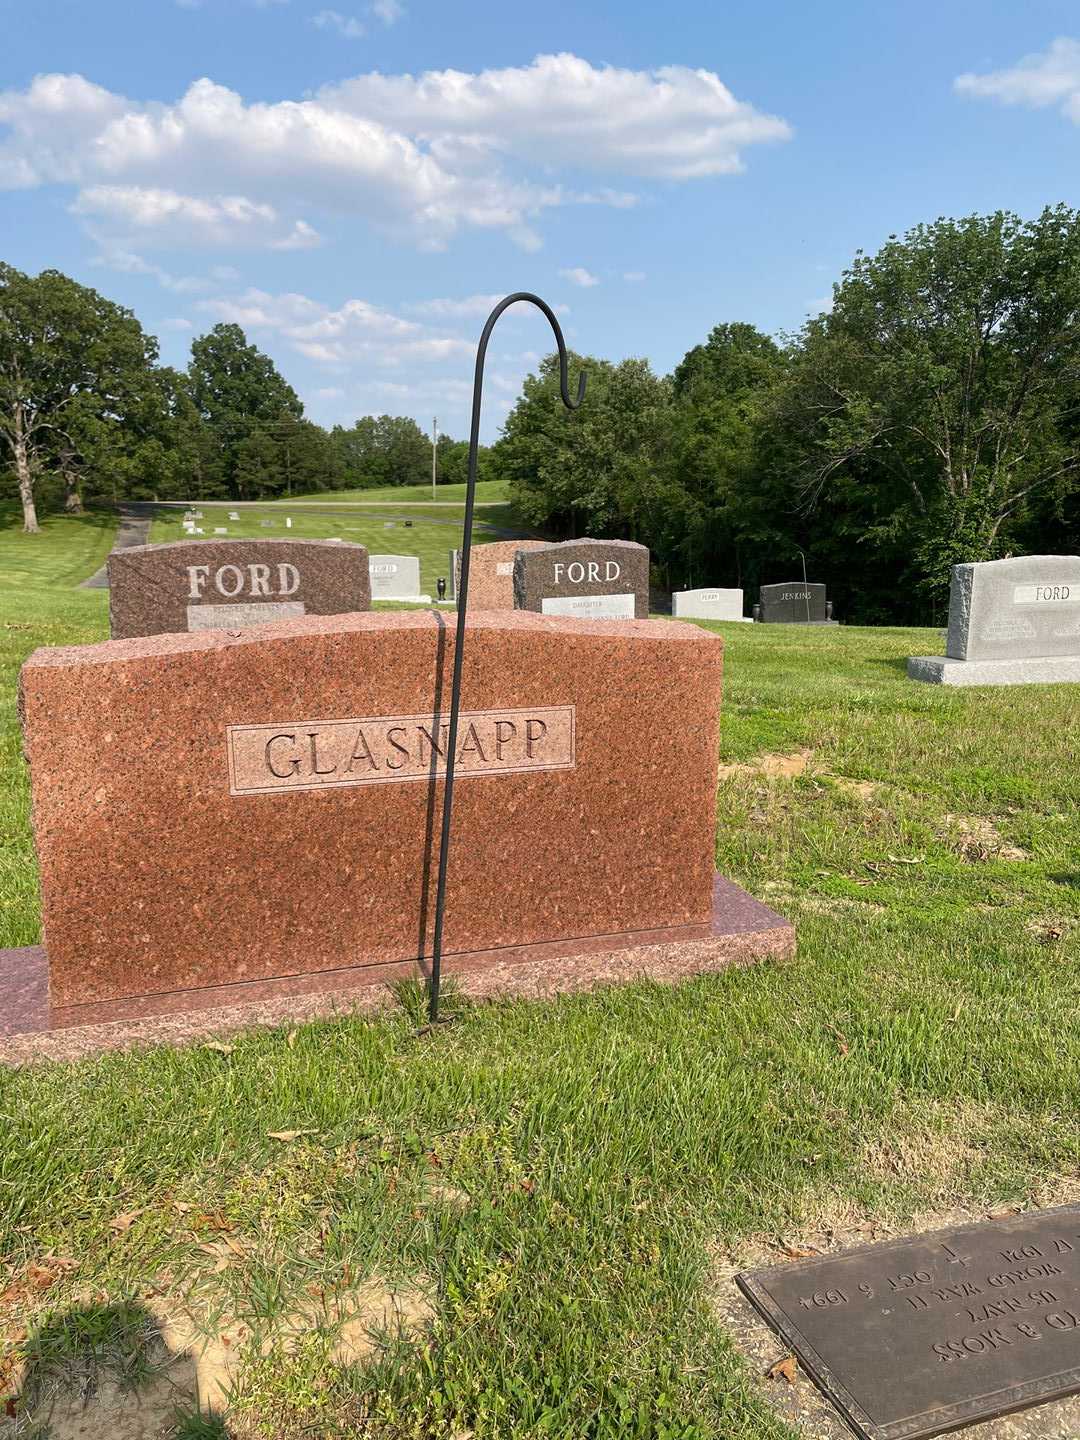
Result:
462,604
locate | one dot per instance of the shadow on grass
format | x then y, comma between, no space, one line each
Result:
105,1369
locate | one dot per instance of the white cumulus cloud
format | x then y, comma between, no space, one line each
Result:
355,331
578,275
388,11
673,123
422,157
345,25
1050,77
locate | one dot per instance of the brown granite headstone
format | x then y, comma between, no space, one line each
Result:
584,579
231,584
491,573
226,807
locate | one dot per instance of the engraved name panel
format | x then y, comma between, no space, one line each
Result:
1046,594
327,754
590,607
919,1336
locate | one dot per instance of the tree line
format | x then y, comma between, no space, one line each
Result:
87,413
931,416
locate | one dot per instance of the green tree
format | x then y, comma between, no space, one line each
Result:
934,404
236,389
593,471
73,367
721,389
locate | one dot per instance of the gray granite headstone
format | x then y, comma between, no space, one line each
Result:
1010,622
396,577
709,603
584,579
793,602
225,584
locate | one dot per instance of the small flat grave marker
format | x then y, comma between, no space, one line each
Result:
266,524
221,529
288,522
923,1335
234,515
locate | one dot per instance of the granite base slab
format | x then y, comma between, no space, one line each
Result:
742,931
1042,670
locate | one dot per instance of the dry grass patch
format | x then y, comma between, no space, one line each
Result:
772,767
976,838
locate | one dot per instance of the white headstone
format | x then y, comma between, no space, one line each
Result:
395,577
709,603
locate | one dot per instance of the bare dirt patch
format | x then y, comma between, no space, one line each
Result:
772,766
189,1362
976,838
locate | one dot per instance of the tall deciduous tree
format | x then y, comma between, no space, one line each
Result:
237,390
936,398
70,361
592,471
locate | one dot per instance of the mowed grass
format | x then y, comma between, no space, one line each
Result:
556,1178
430,534
68,550
488,492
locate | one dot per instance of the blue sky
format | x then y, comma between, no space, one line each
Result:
353,182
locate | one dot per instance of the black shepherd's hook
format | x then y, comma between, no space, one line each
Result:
463,600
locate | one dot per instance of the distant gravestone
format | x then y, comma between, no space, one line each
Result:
234,515
221,529
708,604
584,579
288,522
220,585
1011,622
793,602
396,577
266,524
491,573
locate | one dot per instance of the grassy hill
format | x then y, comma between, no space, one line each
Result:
405,530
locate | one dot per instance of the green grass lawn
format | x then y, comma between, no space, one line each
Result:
557,1179
68,550
431,533
488,492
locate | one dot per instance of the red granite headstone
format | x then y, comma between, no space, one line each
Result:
229,807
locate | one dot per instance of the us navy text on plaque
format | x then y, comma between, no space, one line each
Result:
919,1336
321,754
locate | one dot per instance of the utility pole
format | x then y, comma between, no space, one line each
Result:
434,450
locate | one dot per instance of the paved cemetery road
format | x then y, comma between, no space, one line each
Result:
134,530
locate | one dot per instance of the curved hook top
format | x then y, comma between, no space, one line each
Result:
526,297
463,601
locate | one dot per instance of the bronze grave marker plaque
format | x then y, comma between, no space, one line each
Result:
918,1336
